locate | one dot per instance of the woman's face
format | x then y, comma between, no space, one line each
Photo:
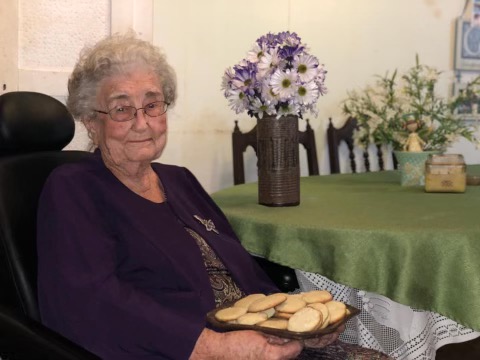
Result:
139,140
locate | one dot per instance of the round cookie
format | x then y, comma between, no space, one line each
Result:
314,296
298,295
247,300
252,318
267,302
323,309
283,315
337,310
325,323
306,319
291,305
270,312
230,313
274,323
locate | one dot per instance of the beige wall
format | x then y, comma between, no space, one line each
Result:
354,39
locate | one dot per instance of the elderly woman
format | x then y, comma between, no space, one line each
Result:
133,254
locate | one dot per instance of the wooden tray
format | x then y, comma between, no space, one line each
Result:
278,332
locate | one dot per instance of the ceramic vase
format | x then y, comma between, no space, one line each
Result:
412,166
278,161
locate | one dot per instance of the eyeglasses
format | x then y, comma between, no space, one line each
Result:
126,113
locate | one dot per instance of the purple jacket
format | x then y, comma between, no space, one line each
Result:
119,274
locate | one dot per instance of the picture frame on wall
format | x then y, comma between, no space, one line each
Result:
470,110
467,46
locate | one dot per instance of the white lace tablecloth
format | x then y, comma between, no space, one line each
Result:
398,330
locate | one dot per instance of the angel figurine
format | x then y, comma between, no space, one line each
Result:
414,142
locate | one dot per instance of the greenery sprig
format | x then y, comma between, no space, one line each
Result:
382,109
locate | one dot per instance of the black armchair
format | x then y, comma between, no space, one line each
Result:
34,128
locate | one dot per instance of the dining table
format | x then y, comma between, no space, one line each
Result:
409,259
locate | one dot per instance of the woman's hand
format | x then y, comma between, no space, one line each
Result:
244,345
324,340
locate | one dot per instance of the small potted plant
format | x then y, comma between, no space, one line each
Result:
404,111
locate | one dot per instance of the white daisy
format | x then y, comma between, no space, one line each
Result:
244,79
268,63
258,107
227,80
306,66
322,89
322,73
284,83
256,53
288,108
268,95
238,101
307,93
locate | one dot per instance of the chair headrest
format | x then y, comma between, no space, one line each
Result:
31,121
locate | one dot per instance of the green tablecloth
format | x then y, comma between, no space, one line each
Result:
368,232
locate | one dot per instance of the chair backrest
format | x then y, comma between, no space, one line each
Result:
240,142
34,128
335,137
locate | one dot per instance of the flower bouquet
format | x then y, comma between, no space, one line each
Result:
277,83
278,77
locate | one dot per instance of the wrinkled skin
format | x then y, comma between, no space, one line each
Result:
248,344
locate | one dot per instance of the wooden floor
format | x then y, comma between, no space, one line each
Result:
469,350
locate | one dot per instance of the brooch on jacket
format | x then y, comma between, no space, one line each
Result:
209,225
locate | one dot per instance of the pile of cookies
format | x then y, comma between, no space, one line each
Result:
308,311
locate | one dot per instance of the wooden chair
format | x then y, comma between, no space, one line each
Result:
335,136
240,142
283,276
